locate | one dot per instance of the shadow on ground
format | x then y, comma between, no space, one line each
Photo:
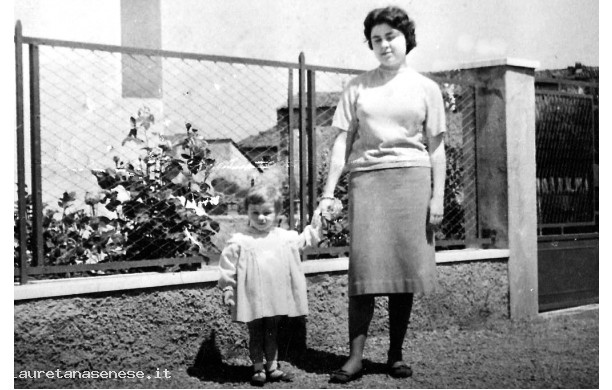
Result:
209,365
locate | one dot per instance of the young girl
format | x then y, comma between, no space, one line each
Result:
261,278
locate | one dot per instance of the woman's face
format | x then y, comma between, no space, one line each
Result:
262,216
389,45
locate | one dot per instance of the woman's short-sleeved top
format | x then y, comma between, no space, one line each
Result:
388,115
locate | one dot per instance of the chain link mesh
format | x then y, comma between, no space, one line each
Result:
106,115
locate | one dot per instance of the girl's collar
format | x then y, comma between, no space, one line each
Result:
253,231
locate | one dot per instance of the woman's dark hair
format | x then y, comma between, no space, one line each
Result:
394,17
261,194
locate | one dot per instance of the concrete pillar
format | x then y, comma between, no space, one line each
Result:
141,27
505,117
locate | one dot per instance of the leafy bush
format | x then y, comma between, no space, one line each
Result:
158,206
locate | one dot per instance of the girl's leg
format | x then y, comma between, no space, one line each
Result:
400,307
256,343
361,310
274,373
270,342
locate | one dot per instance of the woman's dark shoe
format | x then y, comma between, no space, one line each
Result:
342,376
258,378
399,369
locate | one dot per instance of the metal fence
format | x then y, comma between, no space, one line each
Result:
566,161
139,159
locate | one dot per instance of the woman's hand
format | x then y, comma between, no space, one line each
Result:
330,208
436,211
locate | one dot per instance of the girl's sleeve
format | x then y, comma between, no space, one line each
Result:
227,266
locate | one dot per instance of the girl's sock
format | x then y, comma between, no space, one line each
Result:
271,366
258,366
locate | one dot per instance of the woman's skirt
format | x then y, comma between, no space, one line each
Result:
390,249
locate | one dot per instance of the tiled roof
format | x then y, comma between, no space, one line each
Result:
322,99
577,72
263,139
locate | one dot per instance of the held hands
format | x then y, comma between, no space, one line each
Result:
330,208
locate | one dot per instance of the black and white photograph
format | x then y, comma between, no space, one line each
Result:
304,194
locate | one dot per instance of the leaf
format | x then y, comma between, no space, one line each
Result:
180,178
105,180
200,177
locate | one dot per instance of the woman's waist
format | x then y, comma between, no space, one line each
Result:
371,162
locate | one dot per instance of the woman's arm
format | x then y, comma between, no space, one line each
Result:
437,155
336,166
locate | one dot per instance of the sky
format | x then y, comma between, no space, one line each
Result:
556,33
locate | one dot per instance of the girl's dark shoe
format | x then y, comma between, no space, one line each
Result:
399,369
342,376
277,375
259,378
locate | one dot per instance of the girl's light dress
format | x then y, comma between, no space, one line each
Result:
264,270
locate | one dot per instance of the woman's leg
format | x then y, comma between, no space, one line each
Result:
400,306
361,310
256,343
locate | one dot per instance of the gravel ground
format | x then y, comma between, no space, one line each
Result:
555,350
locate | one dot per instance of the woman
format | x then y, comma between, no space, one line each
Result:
392,144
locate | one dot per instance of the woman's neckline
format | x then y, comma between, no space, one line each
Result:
392,71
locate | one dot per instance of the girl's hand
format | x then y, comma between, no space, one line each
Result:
315,222
436,211
228,298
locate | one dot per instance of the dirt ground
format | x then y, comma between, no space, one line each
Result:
555,350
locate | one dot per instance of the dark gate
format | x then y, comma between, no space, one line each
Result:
567,191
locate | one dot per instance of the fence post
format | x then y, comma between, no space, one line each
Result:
21,192
506,170
291,147
303,144
312,142
37,231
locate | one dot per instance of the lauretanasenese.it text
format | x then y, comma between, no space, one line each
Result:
92,374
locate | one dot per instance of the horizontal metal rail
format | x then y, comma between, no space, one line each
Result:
154,52
567,225
180,55
338,250
205,57
563,93
569,237
119,265
578,83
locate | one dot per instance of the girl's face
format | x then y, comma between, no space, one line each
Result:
262,216
389,45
